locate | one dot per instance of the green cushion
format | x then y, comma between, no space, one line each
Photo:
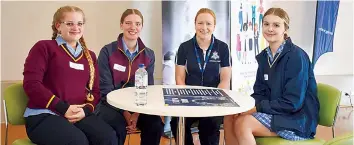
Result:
16,103
23,142
329,98
346,139
280,141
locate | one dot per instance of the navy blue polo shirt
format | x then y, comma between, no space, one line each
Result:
219,57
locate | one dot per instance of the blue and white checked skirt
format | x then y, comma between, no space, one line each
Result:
265,119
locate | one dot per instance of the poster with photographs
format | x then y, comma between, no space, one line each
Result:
246,42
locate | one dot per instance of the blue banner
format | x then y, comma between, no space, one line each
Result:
326,18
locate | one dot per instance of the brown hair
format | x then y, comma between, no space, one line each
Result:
205,10
280,13
58,16
128,12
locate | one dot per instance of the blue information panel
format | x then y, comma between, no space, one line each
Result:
197,97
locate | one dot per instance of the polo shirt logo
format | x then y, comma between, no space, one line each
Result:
215,57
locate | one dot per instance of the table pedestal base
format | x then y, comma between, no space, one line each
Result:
180,131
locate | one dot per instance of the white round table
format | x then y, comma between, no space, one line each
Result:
125,99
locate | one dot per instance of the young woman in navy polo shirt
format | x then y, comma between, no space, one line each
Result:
203,61
285,90
118,62
62,83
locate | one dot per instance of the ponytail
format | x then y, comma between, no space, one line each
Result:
55,32
89,96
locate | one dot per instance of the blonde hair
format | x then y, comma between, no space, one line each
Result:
280,13
128,12
205,10
58,16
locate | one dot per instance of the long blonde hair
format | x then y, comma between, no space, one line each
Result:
58,16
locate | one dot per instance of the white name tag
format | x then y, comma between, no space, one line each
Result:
119,67
76,66
266,77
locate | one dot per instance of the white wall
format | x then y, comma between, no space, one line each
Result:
24,23
152,31
302,21
302,24
21,28
344,83
334,68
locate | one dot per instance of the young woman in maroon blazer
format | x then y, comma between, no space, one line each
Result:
62,83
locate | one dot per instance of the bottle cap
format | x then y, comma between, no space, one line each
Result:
141,65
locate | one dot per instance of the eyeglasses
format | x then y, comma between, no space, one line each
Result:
71,24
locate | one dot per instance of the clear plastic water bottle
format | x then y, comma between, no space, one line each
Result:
141,83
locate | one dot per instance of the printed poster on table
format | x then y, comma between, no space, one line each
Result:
197,97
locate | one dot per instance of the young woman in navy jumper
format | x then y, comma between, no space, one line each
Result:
118,62
285,90
203,61
61,81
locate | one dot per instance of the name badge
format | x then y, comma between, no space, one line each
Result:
76,66
119,67
266,77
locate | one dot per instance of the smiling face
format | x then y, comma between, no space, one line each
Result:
71,26
131,26
275,25
273,28
204,26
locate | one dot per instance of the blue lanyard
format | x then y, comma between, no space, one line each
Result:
202,69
